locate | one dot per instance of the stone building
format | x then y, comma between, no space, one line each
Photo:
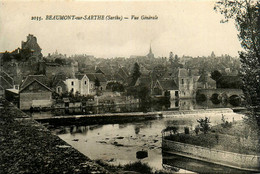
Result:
31,48
35,93
186,83
92,78
166,88
78,84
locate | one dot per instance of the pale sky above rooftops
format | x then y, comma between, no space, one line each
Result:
183,27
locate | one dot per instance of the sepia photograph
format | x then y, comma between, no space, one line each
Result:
129,87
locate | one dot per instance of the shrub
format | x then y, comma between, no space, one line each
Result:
204,124
172,129
138,167
186,130
225,124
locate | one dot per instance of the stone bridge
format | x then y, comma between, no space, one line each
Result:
221,92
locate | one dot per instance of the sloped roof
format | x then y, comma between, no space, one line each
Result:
58,77
40,78
79,76
109,77
118,77
7,77
168,84
4,83
91,76
144,81
99,76
122,72
205,78
34,80
104,70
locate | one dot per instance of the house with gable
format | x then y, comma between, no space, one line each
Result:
83,83
92,79
166,88
35,93
78,84
186,83
58,83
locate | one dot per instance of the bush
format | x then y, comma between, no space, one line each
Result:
204,124
138,167
187,130
225,124
172,129
197,129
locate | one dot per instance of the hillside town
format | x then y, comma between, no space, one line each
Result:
30,80
154,87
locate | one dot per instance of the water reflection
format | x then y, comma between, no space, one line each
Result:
176,163
188,104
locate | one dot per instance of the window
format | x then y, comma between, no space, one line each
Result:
85,82
72,83
182,81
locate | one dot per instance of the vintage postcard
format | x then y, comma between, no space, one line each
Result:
129,86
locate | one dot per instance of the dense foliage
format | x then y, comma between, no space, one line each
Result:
247,19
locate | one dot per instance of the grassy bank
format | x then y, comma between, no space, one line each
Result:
235,138
28,147
137,167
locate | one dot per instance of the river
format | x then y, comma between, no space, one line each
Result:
118,143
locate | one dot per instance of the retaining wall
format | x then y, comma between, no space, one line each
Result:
230,159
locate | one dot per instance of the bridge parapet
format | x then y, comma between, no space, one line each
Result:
227,92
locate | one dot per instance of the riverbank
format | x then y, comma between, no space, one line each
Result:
231,144
28,147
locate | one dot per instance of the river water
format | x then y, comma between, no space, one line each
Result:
118,143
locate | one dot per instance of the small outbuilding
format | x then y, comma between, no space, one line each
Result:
35,94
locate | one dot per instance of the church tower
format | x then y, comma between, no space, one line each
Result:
150,55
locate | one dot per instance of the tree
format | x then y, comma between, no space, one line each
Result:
246,15
136,72
215,75
204,124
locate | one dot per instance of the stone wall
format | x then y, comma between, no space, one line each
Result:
236,160
26,99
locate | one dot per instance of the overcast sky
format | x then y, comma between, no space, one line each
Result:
183,27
